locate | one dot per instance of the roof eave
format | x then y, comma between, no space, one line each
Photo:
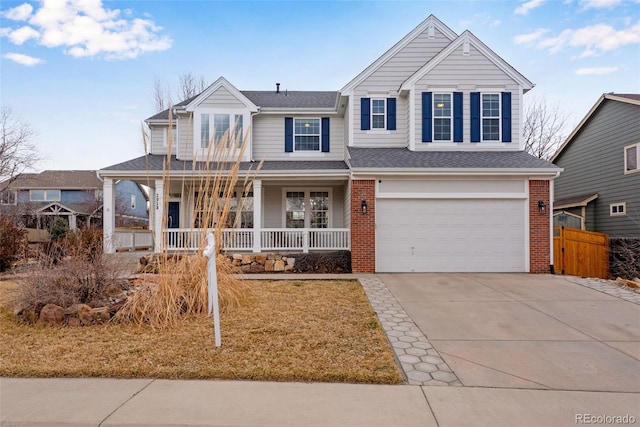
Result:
550,172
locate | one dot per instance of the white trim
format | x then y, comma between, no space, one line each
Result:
527,229
384,115
351,121
618,205
452,195
625,148
412,119
307,152
202,152
45,199
499,118
467,36
434,118
221,82
15,197
413,34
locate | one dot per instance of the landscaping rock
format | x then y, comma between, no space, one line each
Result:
279,265
261,259
51,315
100,314
268,265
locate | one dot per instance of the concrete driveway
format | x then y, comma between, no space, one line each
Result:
525,331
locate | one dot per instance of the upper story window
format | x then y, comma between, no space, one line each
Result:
631,158
8,197
222,127
378,114
490,117
306,134
44,195
442,120
618,209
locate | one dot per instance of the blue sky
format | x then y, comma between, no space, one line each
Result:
81,72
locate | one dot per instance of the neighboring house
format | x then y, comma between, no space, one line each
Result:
417,164
37,199
599,189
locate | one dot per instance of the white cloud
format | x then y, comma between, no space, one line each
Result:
85,28
524,8
22,34
595,71
593,39
599,4
22,59
530,37
18,13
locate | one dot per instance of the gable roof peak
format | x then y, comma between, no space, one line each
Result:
429,24
220,82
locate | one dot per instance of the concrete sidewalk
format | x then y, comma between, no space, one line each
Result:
111,402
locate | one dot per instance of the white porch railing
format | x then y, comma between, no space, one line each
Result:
132,239
271,239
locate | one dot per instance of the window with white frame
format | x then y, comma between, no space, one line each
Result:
222,127
173,134
442,121
490,115
205,217
378,113
306,134
632,158
44,195
8,197
307,209
618,209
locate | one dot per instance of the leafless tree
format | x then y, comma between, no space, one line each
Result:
188,87
17,149
544,127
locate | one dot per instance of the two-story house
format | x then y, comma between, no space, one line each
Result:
36,199
417,164
599,189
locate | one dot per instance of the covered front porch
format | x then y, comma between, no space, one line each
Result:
266,214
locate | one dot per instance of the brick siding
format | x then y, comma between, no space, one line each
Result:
363,226
539,238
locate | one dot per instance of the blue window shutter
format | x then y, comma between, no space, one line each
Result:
288,134
325,134
427,109
474,98
391,114
365,113
457,117
506,116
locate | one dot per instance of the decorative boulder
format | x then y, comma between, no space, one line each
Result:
51,315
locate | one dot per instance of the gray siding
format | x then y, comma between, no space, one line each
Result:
222,98
594,163
268,139
185,137
273,210
388,78
466,74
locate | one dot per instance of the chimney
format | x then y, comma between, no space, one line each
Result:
277,87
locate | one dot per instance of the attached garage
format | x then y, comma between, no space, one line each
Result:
426,227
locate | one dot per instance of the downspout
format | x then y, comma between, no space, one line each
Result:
551,197
252,115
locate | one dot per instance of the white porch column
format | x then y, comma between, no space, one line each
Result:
73,222
158,215
108,216
257,214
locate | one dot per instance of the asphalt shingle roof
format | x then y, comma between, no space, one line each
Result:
156,162
380,158
292,99
57,180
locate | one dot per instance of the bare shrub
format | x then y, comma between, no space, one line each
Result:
624,257
13,242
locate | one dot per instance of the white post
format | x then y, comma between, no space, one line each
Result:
257,215
305,241
158,215
210,253
108,215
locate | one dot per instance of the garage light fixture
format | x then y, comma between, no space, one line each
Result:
364,207
542,207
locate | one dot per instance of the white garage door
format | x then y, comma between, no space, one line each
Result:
450,235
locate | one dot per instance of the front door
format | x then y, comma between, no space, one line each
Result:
173,215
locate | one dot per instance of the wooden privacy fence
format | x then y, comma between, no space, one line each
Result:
580,253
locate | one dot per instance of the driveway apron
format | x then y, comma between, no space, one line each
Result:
525,331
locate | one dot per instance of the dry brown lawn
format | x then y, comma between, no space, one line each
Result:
321,331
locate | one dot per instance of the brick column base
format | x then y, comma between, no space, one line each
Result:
363,226
539,228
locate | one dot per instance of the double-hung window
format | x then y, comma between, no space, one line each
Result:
378,114
306,136
442,117
8,197
307,209
221,128
490,110
632,158
44,195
